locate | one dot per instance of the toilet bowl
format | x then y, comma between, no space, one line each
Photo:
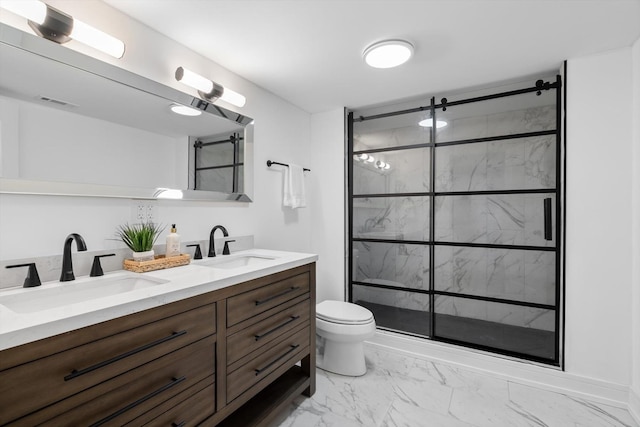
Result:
342,328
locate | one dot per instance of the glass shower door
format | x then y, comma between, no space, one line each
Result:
390,206
495,203
455,231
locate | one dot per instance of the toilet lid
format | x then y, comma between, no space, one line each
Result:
343,312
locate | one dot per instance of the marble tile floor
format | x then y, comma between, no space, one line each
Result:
403,391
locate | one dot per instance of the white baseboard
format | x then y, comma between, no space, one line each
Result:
544,377
634,404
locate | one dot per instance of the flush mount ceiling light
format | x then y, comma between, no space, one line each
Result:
427,123
388,53
55,25
183,110
208,89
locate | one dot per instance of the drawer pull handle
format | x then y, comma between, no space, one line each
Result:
174,381
76,373
261,370
272,297
269,332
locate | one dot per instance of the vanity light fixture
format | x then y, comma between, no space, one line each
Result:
208,89
383,165
364,157
55,25
427,123
388,53
183,110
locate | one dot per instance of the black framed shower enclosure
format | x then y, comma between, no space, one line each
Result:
455,220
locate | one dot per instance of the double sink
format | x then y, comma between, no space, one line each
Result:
58,294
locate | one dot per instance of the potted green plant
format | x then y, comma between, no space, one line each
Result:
140,238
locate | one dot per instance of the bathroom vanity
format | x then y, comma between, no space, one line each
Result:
227,344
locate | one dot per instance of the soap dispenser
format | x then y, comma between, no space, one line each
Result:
173,242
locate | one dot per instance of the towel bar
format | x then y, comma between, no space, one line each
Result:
269,163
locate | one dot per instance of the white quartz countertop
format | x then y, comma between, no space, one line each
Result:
38,320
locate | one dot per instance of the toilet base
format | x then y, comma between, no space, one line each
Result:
343,358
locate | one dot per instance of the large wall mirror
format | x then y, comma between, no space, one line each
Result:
73,125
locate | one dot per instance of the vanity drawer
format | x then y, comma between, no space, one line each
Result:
251,303
66,373
182,370
189,408
266,330
259,364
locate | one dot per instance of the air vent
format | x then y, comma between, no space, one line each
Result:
57,102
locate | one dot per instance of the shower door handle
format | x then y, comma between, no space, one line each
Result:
547,219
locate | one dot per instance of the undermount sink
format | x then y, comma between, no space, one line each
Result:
229,262
30,300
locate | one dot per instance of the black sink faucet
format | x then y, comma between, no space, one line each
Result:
67,266
212,248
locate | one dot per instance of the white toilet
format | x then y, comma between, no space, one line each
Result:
342,328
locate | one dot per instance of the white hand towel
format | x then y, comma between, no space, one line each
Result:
294,194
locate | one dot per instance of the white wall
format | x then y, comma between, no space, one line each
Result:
327,180
635,392
599,217
37,225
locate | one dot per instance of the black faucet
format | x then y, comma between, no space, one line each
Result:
212,248
67,266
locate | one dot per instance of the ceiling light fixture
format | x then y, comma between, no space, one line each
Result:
388,53
55,25
183,110
208,89
427,123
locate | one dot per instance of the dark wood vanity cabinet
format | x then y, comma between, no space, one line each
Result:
191,362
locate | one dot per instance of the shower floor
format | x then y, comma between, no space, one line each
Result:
529,341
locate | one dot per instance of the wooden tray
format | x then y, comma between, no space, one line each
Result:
160,262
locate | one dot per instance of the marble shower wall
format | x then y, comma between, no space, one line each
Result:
515,219
393,264
409,173
394,131
509,219
500,273
522,163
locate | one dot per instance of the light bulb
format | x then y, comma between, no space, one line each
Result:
32,10
233,97
382,165
36,12
194,80
97,39
209,89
